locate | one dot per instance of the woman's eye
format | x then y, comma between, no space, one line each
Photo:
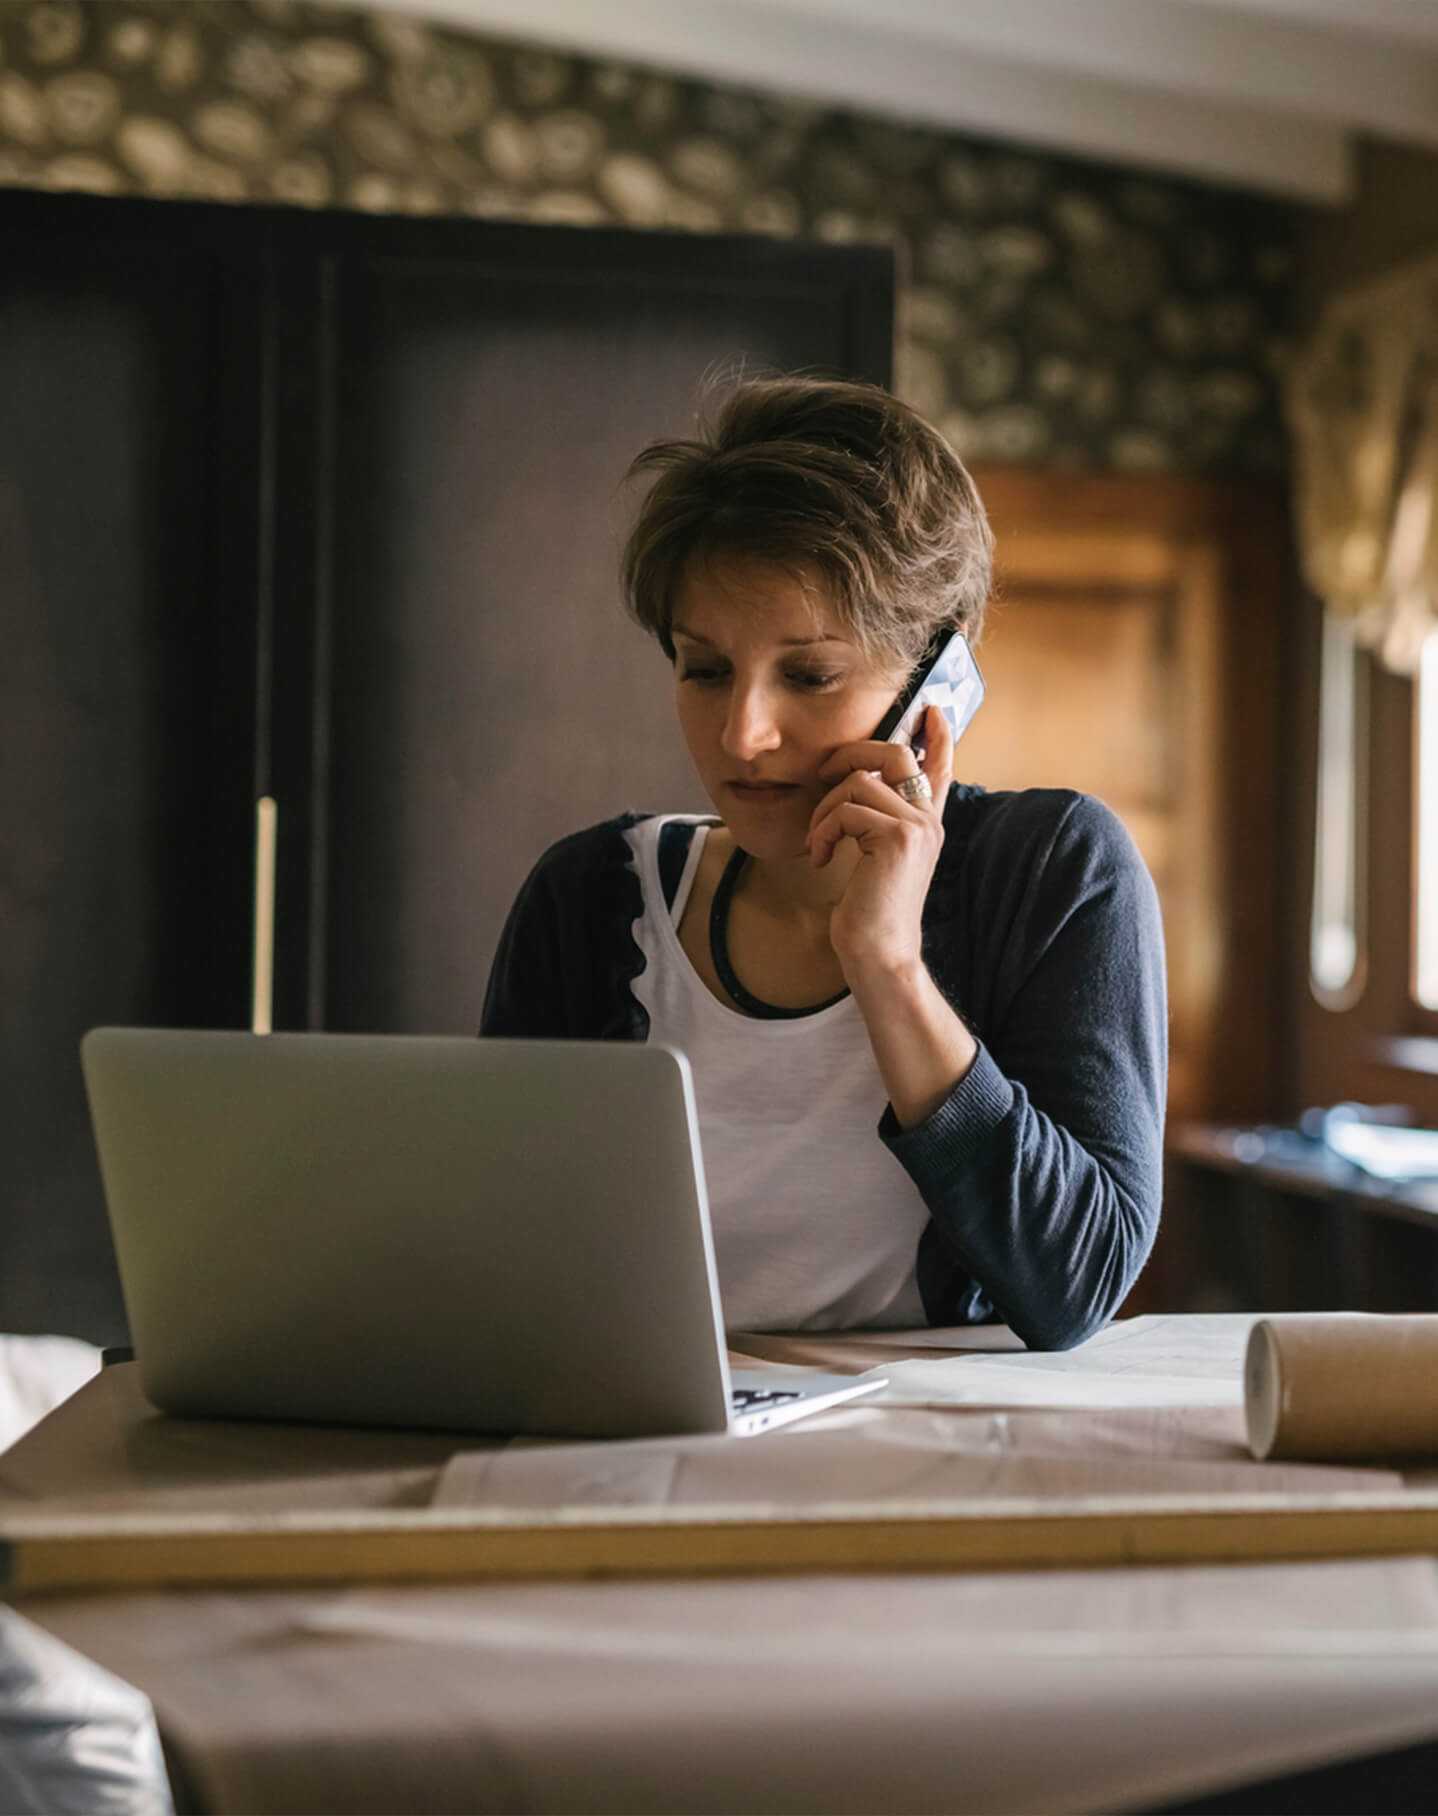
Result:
808,680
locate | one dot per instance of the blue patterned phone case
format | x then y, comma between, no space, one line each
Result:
951,682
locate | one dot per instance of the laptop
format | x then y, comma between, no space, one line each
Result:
503,1236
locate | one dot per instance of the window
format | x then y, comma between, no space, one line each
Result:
1425,828
1337,930
1367,1025
1398,837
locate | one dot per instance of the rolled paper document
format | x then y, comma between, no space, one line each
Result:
1335,1386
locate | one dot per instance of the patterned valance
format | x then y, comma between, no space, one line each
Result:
1362,401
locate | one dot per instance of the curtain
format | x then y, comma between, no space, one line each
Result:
1362,404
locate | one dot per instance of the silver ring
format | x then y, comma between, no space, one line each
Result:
914,789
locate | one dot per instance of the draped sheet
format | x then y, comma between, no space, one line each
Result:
1362,405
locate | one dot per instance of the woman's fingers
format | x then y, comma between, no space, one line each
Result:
850,819
938,753
866,810
869,775
864,785
891,761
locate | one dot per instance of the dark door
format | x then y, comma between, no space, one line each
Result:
486,692
126,704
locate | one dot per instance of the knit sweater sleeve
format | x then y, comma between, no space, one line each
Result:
1042,1169
524,997
567,957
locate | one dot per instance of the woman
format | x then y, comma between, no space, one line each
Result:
926,1022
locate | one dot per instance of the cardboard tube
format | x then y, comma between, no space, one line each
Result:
1342,1385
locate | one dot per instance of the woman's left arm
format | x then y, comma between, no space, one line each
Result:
1042,1167
920,1046
1039,1155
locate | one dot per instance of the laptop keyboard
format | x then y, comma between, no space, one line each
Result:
750,1399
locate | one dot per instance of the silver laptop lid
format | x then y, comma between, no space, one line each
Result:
484,1235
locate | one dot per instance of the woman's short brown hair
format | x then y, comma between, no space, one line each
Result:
826,475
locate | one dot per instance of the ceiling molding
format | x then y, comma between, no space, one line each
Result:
1398,21
781,46
1196,48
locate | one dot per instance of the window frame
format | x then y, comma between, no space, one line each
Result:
1423,1018
1336,642
1380,1045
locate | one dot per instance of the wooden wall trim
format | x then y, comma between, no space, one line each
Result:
1223,551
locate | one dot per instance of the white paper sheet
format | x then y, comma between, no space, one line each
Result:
769,1347
1141,1362
960,1383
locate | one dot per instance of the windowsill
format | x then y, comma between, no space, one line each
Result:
1282,1160
1409,1053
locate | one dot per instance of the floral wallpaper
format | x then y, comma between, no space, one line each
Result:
1053,311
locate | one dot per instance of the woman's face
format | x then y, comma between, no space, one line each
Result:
768,688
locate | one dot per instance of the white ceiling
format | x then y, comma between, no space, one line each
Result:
1267,94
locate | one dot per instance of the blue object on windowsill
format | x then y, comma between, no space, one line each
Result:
1377,1139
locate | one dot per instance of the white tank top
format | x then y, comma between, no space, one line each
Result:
816,1225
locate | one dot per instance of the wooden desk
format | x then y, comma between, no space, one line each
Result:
1061,1690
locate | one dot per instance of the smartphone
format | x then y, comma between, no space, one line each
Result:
945,676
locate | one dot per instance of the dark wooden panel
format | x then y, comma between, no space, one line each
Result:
487,693
122,786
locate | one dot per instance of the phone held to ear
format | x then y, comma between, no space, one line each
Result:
946,676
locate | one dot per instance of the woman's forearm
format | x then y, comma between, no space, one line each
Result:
921,1047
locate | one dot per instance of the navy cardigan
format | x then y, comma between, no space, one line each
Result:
1042,1169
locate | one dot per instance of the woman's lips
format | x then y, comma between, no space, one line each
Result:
763,791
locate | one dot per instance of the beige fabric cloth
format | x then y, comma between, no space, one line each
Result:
1362,404
1053,1690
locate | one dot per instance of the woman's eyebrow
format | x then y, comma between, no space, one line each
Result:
678,630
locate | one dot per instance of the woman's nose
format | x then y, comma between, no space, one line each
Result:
749,726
